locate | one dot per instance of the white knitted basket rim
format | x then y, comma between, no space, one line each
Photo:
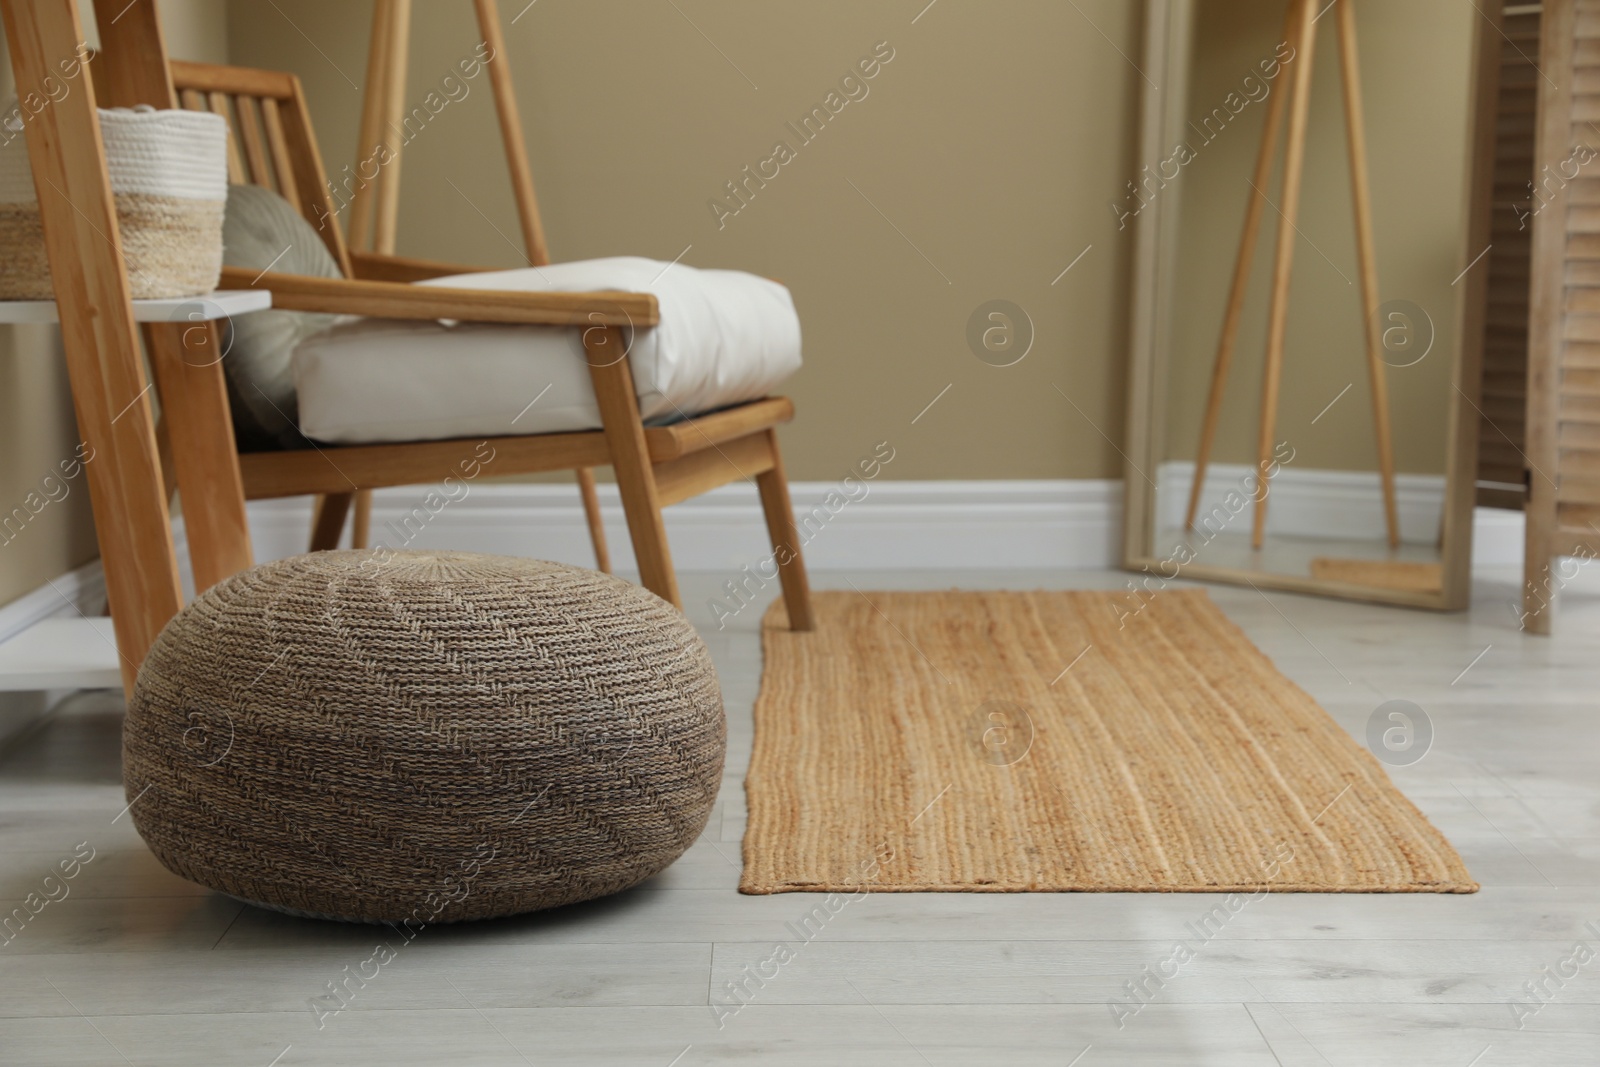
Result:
163,152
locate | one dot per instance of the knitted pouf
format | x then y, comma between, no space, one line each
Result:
422,737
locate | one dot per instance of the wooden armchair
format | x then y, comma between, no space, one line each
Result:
654,466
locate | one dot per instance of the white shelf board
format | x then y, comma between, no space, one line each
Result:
61,653
222,304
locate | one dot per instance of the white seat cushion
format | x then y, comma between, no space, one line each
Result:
724,337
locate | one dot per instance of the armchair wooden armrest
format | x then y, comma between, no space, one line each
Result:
396,300
383,267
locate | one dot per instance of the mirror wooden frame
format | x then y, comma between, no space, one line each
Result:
1167,29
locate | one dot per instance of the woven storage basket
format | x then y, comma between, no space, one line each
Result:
169,177
423,737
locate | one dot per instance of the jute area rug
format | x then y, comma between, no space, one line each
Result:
1032,742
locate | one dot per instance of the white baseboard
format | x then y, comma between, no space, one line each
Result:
892,525
74,594
81,591
895,525
1326,503
1310,503
1015,525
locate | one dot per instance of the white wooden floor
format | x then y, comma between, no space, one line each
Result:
135,966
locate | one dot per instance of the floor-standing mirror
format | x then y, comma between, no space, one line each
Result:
1302,405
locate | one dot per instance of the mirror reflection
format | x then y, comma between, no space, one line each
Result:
1304,357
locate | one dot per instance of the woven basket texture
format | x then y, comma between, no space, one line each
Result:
413,737
172,248
168,174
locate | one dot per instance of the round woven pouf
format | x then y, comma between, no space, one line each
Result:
423,737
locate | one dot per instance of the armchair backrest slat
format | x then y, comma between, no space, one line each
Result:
270,140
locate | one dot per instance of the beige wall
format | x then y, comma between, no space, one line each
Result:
992,145
1416,67
993,140
37,430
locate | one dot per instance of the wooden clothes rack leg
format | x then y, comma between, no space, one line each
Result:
1283,266
1367,259
374,211
1299,27
1254,209
358,232
505,106
375,207
533,239
387,207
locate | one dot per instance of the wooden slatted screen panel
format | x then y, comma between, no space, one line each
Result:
1578,432
1503,404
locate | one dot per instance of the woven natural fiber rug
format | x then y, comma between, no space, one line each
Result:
1038,742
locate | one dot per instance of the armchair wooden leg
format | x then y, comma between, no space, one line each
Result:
597,526
630,459
773,485
361,521
328,525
